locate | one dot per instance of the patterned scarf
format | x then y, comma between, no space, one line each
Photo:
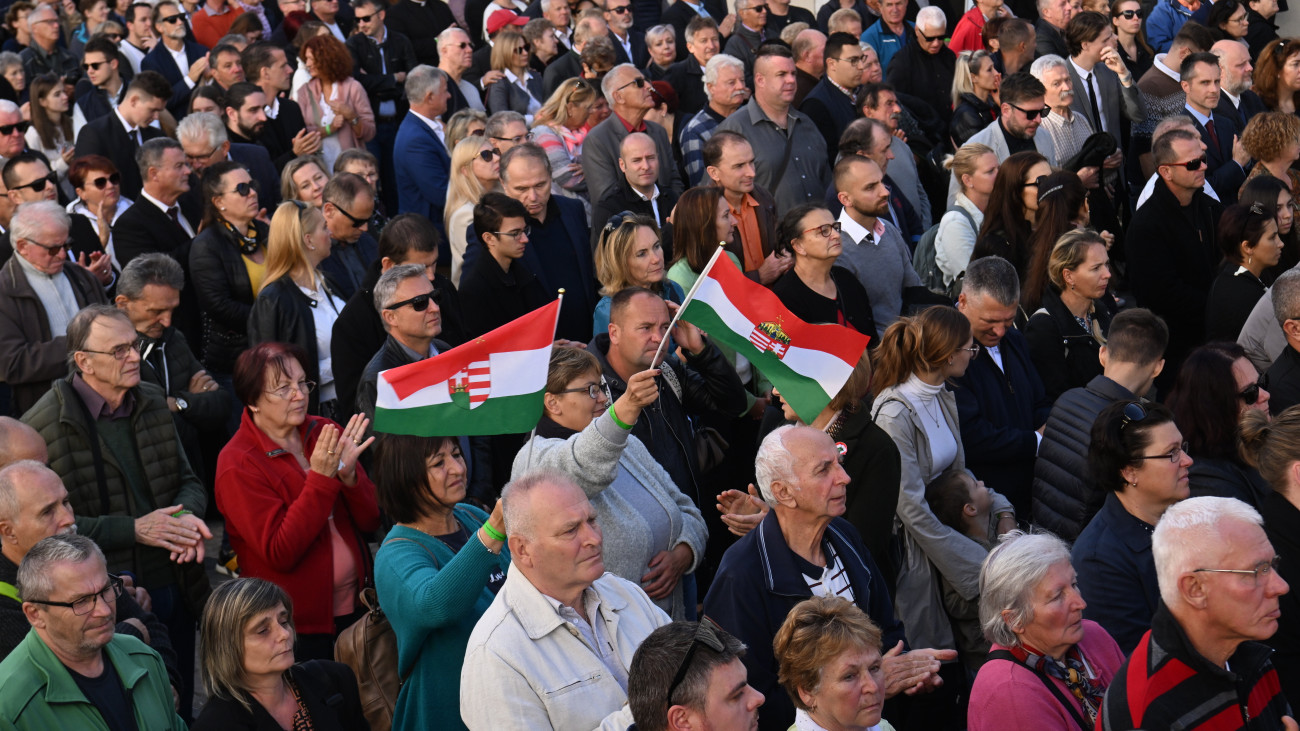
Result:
1075,672
247,242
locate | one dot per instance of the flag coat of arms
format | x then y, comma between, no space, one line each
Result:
807,363
490,385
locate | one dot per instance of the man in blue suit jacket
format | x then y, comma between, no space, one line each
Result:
421,161
830,103
169,24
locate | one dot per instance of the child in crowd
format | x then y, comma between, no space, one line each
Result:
963,503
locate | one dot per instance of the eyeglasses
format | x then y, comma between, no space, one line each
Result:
419,302
177,18
825,229
243,189
706,634
622,10
931,39
1191,165
1262,569
121,352
284,393
595,391
86,604
974,350
1030,114
854,61
202,157
519,140
525,232
1133,413
39,184
1250,394
639,81
19,127
1173,456
358,222
104,181
488,155
93,65
1130,14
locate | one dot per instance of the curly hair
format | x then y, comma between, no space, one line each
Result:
1268,69
1268,136
331,58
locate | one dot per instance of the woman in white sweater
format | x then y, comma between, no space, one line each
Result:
976,168
916,358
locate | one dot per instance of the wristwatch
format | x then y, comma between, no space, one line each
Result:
181,404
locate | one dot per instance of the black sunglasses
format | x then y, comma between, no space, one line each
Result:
1133,413
639,81
930,38
365,18
419,303
1131,14
1250,394
243,189
523,48
172,18
488,155
621,10
1191,165
8,129
38,184
93,65
706,634
1030,114
358,222
102,182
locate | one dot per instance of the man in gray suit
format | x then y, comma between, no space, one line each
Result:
628,93
1016,129
1104,88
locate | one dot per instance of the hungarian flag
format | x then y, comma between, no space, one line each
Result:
490,385
807,363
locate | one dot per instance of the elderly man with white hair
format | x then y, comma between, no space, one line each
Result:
804,548
724,84
925,65
555,647
1203,664
628,92
205,141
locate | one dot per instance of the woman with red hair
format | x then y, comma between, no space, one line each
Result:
334,103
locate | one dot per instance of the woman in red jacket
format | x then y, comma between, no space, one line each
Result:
294,497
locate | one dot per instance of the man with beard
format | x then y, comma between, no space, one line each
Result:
285,135
871,139
724,86
1016,130
1238,100
74,653
245,113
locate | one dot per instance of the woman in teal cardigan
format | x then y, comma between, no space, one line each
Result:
436,573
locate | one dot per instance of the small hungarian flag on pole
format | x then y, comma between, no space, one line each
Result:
807,363
490,385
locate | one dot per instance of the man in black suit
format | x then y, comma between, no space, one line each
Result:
830,104
629,43
680,14
421,22
1053,17
119,135
569,64
637,191
181,62
102,88
1226,169
205,141
285,135
1237,100
687,76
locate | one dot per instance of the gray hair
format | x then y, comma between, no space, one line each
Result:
8,60
1286,296
715,65
446,36
30,219
392,279
611,81
529,150
206,127
1008,578
22,472
931,17
35,573
515,508
79,329
993,277
424,80
1190,533
546,5
150,154
1041,65
496,124
774,462
659,31
147,269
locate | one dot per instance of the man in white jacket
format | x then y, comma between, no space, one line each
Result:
553,650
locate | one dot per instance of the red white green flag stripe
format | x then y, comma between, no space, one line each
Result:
807,363
491,385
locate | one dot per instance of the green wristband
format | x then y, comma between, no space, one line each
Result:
181,512
621,424
492,532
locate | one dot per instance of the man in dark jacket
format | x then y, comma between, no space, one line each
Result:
1171,248
1204,662
638,164
119,136
1001,400
1063,496
406,302
926,67
349,203
421,22
763,576
704,382
381,58
830,104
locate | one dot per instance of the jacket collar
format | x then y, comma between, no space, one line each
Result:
536,615
781,575
1133,531
265,443
1109,389
1168,637
59,685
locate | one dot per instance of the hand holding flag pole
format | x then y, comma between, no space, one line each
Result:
659,354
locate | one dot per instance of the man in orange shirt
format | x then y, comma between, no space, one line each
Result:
213,21
729,162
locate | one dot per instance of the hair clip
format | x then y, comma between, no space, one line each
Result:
1257,209
1042,194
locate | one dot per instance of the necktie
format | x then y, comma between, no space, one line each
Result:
174,213
1214,136
1092,101
870,238
135,134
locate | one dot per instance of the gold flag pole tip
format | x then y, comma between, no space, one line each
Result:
561,290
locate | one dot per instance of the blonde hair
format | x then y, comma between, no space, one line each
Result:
1070,251
503,49
613,251
464,186
556,109
288,189
221,634
966,160
286,252
963,80
814,633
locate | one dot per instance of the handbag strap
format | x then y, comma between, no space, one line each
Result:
1065,701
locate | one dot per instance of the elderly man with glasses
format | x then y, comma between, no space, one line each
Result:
70,600
629,95
112,438
925,65
748,34
28,178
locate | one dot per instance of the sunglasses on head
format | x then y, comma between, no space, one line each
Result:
103,181
8,129
419,303
1031,114
1191,165
1250,394
38,184
1130,14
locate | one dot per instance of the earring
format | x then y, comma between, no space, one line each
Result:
1249,258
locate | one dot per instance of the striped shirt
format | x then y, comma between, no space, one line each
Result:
833,579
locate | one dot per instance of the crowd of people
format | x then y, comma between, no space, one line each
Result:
1051,494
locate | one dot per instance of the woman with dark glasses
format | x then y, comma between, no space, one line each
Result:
1216,386
228,264
1126,17
99,195
299,303
558,128
1139,459
1012,209
520,90
476,169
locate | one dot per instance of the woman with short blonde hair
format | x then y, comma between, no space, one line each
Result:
631,254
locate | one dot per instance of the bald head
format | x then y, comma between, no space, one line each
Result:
1234,62
19,442
638,158
808,47
33,506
